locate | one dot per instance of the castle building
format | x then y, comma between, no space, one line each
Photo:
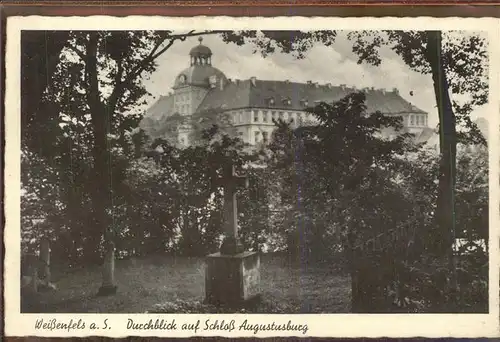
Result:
251,104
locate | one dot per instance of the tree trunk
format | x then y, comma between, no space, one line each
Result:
353,259
101,123
445,213
45,260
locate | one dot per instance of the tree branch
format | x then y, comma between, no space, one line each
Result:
119,84
154,54
78,52
139,68
93,82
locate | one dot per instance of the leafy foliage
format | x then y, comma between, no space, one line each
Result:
333,188
464,58
296,43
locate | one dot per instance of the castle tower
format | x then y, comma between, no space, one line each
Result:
193,83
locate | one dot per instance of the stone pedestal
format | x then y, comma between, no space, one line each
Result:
232,279
108,286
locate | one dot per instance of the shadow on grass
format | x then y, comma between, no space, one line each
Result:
178,283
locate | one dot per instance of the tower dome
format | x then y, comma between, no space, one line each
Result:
200,50
201,73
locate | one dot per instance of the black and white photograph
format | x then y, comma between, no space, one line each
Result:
207,171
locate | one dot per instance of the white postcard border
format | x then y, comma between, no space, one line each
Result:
340,325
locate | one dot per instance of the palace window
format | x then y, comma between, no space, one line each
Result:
264,116
265,137
274,115
412,120
257,137
255,116
241,117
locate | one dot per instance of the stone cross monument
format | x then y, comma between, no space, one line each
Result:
231,181
232,276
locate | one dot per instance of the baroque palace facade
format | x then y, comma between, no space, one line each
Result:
251,104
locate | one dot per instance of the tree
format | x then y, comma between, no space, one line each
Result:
457,64
95,79
39,59
354,171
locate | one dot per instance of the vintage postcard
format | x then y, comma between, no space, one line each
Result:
252,177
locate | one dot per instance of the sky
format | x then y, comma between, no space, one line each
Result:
335,64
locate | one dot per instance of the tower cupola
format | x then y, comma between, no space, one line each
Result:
200,73
201,54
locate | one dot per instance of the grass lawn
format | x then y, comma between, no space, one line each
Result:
143,283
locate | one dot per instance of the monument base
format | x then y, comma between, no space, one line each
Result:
231,246
232,280
107,290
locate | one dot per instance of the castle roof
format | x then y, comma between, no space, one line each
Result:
291,96
198,75
154,120
158,110
287,95
426,134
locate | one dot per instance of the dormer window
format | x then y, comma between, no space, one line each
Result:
270,101
304,102
287,101
213,81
